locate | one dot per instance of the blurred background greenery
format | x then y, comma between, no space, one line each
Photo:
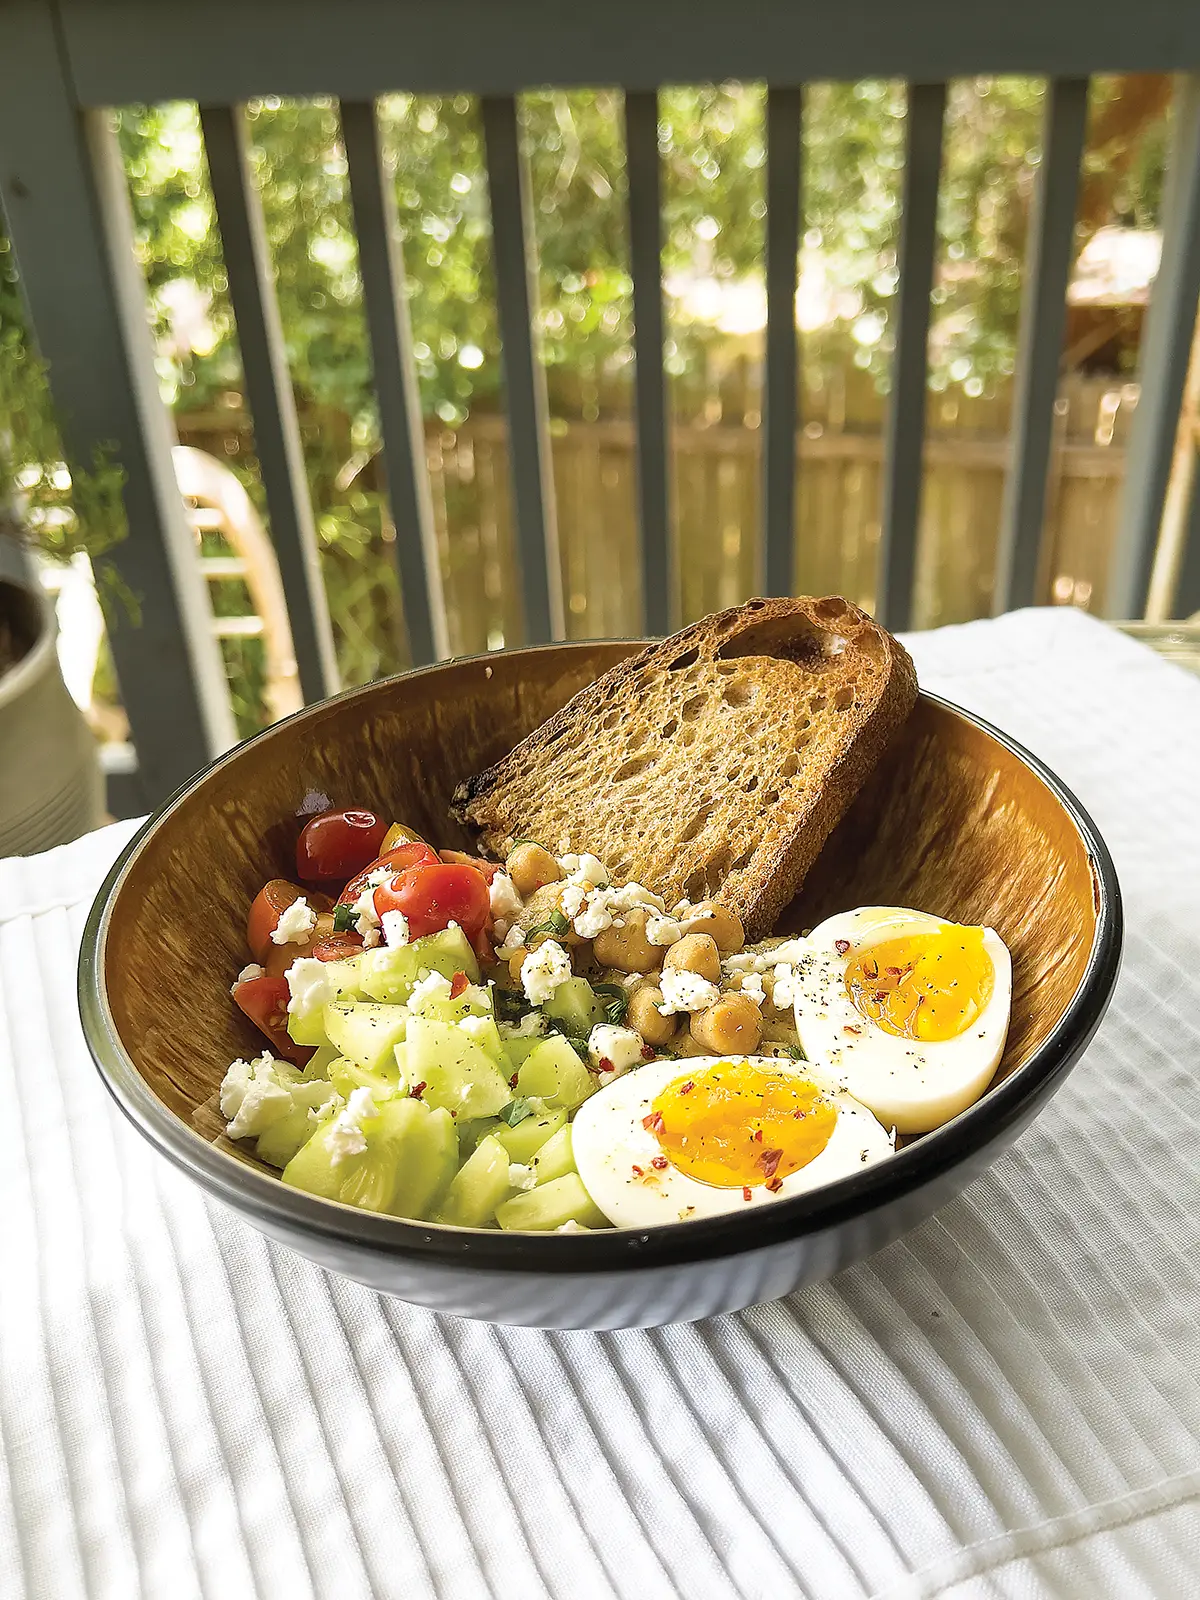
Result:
712,147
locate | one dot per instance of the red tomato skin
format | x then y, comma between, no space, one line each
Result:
265,1002
432,897
412,854
337,946
459,858
337,844
269,904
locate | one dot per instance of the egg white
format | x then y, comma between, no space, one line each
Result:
912,1085
609,1140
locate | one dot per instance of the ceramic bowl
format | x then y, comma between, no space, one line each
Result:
958,820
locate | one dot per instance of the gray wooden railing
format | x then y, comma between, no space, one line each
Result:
63,62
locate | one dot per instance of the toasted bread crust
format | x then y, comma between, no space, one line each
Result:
714,763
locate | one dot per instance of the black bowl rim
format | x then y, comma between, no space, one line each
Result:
279,1209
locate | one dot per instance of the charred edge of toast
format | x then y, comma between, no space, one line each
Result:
712,636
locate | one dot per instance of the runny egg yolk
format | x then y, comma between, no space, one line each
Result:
739,1123
929,986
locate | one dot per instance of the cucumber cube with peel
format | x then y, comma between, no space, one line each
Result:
479,1186
555,1158
390,973
366,1032
524,1139
554,1073
456,1073
551,1205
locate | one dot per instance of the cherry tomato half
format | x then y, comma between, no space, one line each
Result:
269,904
432,897
337,946
337,844
265,1002
459,858
412,854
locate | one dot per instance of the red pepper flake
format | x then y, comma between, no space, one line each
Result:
841,946
894,972
457,984
647,1053
686,1088
659,1162
745,1191
654,1122
871,968
637,1172
757,1135
769,1160
605,1064
512,1082
774,1185
417,1090
879,997
849,1029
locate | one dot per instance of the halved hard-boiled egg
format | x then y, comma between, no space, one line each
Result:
711,1134
909,1012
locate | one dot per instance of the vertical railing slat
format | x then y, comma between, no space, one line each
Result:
524,378
69,220
650,384
903,464
1166,345
1049,258
269,387
381,263
785,109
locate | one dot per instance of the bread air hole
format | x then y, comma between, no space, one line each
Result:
668,729
844,698
631,768
685,660
740,692
692,708
696,825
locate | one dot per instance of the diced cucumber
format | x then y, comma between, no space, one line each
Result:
484,1032
575,1005
472,1130
366,1178
479,1186
555,1074
346,1076
457,1074
280,1142
389,973
549,1206
319,1064
556,1158
342,982
427,1166
366,1032
518,1051
530,1134
473,1002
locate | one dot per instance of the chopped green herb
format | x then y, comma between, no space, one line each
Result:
510,1005
516,842
555,925
515,1111
795,1052
616,1001
345,919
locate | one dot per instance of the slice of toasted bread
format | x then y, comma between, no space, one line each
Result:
713,764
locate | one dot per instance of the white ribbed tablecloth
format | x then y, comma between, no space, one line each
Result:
1006,1402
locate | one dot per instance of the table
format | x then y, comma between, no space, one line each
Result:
1005,1402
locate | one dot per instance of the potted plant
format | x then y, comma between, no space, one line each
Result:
51,786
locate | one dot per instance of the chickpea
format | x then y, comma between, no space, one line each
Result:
514,963
722,926
531,868
732,1025
696,952
540,907
646,1018
627,947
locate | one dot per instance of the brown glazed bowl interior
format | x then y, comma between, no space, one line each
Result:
957,820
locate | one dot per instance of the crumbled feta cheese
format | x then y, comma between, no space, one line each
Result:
531,1026
310,985
395,929
520,1176
693,914
295,923
744,961
248,975
257,1094
630,895
379,875
752,988
543,970
429,986
586,870
614,1050
571,1226
595,914
685,991
366,918
662,930
572,900
346,1136
786,987
513,940
506,903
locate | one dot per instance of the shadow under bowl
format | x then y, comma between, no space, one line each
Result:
957,820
